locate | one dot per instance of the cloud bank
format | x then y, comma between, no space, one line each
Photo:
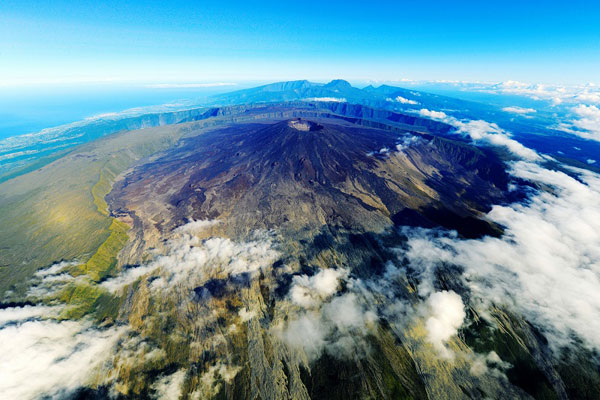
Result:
586,122
41,357
327,320
547,264
484,132
187,256
556,94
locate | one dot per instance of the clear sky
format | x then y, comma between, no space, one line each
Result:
219,41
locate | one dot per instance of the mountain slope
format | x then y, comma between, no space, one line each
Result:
333,173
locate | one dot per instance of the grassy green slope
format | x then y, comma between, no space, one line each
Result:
58,212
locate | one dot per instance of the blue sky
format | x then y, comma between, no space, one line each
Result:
192,41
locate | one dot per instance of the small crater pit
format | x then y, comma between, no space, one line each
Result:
303,125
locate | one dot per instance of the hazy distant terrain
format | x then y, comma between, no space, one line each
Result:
24,153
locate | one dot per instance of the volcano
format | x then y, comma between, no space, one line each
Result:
302,173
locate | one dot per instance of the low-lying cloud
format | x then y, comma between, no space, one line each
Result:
327,99
327,320
43,357
338,328
519,110
486,132
310,291
402,100
407,141
547,264
432,114
48,281
489,363
169,386
446,315
586,122
555,94
187,255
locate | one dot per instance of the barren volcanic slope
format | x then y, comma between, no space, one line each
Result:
300,174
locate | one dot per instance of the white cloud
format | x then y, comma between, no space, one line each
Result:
169,386
432,114
213,256
347,313
490,363
519,110
447,314
588,97
492,134
306,332
311,291
590,161
54,269
246,315
327,99
43,357
408,141
13,315
195,227
327,321
338,328
483,131
546,265
51,280
556,94
127,277
403,143
208,381
402,100
187,257
586,123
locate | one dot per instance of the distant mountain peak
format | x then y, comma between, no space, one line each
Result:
338,84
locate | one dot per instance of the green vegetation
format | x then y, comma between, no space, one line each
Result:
80,298
58,212
100,190
509,343
579,373
84,298
37,164
106,307
104,260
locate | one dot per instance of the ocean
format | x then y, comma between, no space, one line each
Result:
31,109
